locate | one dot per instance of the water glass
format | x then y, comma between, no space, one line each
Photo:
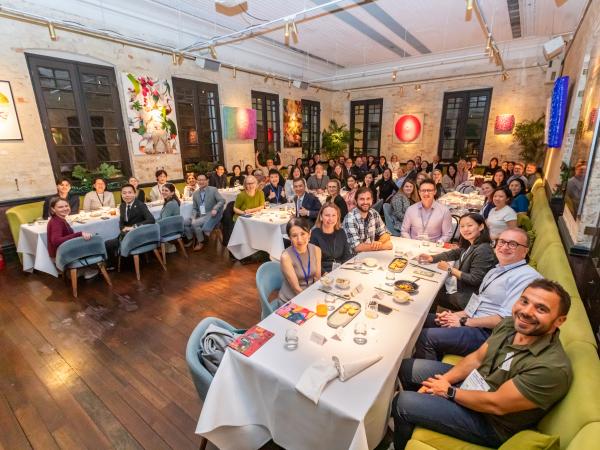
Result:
330,302
390,278
360,333
291,339
371,311
267,205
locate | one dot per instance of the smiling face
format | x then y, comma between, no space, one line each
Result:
191,180
329,217
518,169
486,189
63,188
299,237
351,182
99,186
61,209
166,193
507,255
437,176
134,182
537,312
500,199
364,201
299,188
499,177
274,179
426,192
408,189
332,188
319,171
469,229
368,179
161,179
202,181
128,194
515,188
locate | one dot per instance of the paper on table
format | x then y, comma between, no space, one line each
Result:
349,369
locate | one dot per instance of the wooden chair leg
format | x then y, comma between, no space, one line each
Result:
182,247
163,248
136,263
119,265
157,254
203,443
102,268
73,273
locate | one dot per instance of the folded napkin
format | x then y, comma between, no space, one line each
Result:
316,377
212,346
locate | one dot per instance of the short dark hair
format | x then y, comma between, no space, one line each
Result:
555,288
201,175
299,179
160,172
274,172
99,178
361,190
297,222
126,185
62,180
521,183
427,181
411,160
504,189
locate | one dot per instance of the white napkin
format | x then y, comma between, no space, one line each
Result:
316,377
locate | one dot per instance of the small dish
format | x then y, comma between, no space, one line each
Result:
370,262
401,297
406,286
342,283
327,282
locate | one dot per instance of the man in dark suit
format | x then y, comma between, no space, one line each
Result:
350,169
307,205
133,213
274,192
435,164
218,178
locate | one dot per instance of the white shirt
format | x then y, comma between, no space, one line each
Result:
497,220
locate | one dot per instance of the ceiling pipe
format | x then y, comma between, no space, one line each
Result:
490,41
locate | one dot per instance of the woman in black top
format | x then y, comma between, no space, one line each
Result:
475,257
386,185
489,170
62,190
333,195
330,238
368,182
237,179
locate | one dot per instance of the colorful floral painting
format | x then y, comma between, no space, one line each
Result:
292,123
10,130
150,115
239,123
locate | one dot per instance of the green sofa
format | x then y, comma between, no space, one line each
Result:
576,418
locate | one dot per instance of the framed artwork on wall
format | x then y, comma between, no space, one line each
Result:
10,128
408,128
292,123
239,123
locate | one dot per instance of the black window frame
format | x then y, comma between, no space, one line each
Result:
263,152
461,126
312,145
76,69
365,104
209,147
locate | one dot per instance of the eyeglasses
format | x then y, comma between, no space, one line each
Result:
511,244
427,190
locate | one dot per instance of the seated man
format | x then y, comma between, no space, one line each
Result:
207,211
462,332
161,179
427,220
218,178
364,226
505,386
318,182
274,192
133,213
63,186
518,170
307,205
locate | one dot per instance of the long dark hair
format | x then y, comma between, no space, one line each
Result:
297,222
523,190
171,188
484,237
453,177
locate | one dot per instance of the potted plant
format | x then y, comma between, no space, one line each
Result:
204,167
530,135
335,139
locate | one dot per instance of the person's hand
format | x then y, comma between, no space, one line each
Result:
87,236
443,265
127,229
450,321
437,386
375,245
425,258
304,211
439,317
271,195
213,212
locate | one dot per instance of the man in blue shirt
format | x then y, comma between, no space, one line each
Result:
274,192
462,332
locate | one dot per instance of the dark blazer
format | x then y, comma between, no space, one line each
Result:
220,182
73,200
139,214
477,262
311,203
431,167
278,190
340,203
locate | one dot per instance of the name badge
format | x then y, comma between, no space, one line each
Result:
473,304
202,210
475,382
507,361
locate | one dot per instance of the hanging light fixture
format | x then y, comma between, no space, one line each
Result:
294,30
394,73
348,96
286,33
213,51
234,72
417,87
52,31
505,76
469,5
401,90
267,77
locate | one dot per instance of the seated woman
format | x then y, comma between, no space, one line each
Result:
499,177
369,182
248,170
161,180
191,185
350,193
475,257
300,262
296,172
491,168
487,189
449,180
58,229
139,192
406,196
519,203
386,186
237,178
436,176
63,186
99,197
333,195
250,200
501,216
171,205
330,238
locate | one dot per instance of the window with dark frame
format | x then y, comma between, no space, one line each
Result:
311,128
80,113
464,124
267,143
198,121
365,127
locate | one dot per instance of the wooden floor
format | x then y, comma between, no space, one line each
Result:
89,374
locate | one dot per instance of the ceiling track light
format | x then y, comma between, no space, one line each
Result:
505,76
489,42
348,96
234,72
318,89
401,90
394,74
52,31
417,87
294,30
286,33
267,77
213,51
469,5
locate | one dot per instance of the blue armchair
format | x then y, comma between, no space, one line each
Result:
268,279
78,253
140,240
171,229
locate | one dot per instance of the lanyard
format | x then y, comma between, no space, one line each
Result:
101,201
504,342
423,223
305,273
202,197
481,290
277,192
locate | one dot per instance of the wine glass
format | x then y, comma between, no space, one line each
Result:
360,333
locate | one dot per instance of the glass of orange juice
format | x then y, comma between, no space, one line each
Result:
321,308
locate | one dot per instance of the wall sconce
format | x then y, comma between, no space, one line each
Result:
52,31
417,87
504,124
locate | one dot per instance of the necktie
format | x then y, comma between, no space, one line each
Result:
298,208
127,213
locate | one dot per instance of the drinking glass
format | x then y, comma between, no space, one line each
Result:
371,312
390,278
360,333
267,205
330,302
398,253
291,339
322,307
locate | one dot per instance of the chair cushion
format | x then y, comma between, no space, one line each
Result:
84,262
440,441
588,437
20,214
531,440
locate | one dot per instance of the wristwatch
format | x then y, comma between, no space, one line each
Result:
463,321
451,393
450,271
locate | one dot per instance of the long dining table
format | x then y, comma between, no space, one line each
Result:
253,399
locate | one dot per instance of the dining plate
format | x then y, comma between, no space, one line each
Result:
406,286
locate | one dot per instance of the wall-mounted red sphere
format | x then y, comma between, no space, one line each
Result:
408,128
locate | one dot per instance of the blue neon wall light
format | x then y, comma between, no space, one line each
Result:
558,112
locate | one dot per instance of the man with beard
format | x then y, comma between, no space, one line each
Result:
364,226
505,386
462,332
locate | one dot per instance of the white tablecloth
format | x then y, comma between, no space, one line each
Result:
253,399
229,194
33,239
263,231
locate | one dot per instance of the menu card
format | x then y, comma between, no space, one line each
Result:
295,313
251,340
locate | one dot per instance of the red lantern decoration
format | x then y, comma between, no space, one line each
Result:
504,123
408,128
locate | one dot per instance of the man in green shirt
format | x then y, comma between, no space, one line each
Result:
505,386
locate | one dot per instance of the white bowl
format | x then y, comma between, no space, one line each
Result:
370,262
